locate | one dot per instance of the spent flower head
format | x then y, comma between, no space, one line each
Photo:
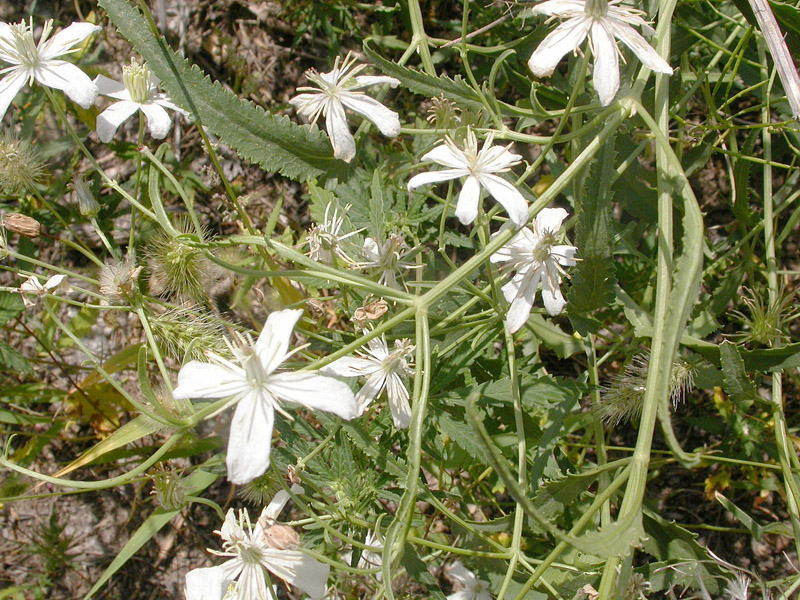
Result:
601,21
251,549
325,239
118,279
137,92
536,255
252,382
480,167
384,370
386,258
339,89
41,63
32,287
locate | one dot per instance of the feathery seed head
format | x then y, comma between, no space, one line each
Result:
21,167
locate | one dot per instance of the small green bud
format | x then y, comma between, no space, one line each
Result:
86,200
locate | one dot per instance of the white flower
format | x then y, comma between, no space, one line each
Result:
383,371
31,62
601,21
472,587
386,258
138,91
370,559
339,89
252,382
535,255
479,167
32,286
251,550
324,241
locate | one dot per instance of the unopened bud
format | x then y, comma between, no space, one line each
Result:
86,201
22,224
281,537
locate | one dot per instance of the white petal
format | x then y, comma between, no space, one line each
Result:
496,159
447,157
112,88
308,105
295,568
363,81
54,281
558,7
467,205
344,145
565,255
68,78
10,86
435,177
386,120
398,401
31,284
207,380
371,389
564,38
509,196
606,64
550,219
158,120
209,583
252,583
274,508
166,102
521,306
350,366
316,392
273,341
458,572
64,40
111,118
643,51
250,439
551,294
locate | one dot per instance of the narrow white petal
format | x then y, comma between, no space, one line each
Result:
564,38
497,159
316,392
550,219
111,118
509,196
206,380
273,341
274,508
31,284
295,568
386,120
166,102
112,88
363,81
467,205
558,7
68,78
520,308
64,40
398,401
250,438
54,281
643,51
344,145
565,255
309,105
435,177
371,389
209,583
551,294
458,572
447,157
158,120
606,64
252,583
10,86
350,366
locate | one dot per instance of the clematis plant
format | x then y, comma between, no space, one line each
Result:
601,21
137,92
383,370
41,63
257,389
339,89
251,549
480,167
386,258
39,290
536,255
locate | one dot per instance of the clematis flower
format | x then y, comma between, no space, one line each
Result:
387,257
252,549
480,169
32,286
535,254
471,588
39,62
601,21
137,92
340,89
383,370
252,383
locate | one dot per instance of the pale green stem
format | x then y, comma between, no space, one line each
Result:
419,38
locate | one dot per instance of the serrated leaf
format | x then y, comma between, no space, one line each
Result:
421,83
735,379
463,435
272,141
12,361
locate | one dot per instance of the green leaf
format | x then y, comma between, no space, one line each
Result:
272,141
458,430
735,379
742,167
13,361
456,89
10,306
419,571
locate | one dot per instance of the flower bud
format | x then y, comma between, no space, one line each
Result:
280,537
86,201
23,225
